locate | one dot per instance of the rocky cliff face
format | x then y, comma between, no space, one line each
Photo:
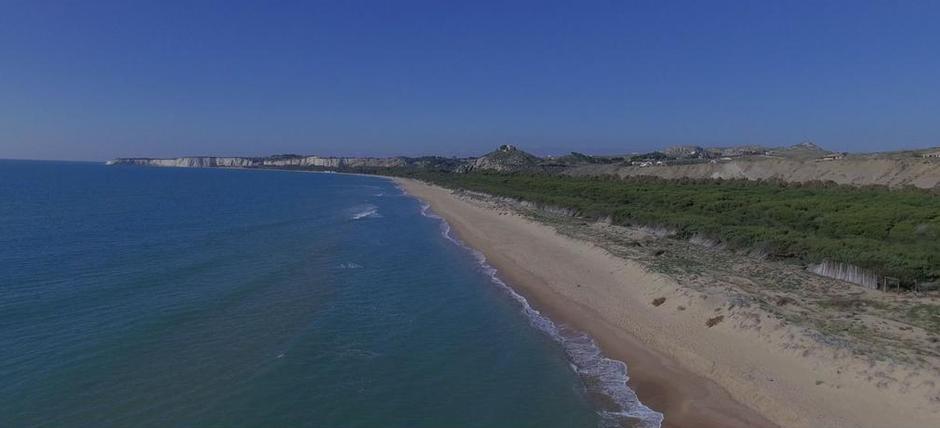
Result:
506,158
335,163
269,162
190,162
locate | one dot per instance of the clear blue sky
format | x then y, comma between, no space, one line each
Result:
99,79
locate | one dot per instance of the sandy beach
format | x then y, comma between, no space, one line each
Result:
690,356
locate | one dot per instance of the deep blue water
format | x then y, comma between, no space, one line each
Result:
204,297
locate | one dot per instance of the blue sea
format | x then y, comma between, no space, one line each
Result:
154,297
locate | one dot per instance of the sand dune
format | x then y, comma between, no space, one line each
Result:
856,170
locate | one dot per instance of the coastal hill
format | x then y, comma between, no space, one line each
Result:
507,158
804,162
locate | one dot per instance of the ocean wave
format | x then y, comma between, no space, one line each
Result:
350,266
366,211
400,188
600,374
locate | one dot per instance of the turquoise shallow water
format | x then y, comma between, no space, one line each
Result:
201,297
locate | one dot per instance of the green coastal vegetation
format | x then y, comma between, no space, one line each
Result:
890,232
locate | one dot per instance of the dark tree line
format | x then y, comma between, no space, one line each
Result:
893,232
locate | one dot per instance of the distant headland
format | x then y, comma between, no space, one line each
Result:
804,162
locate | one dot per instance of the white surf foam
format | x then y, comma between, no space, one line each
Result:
602,375
350,266
366,211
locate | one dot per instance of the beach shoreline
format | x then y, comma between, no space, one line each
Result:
658,382
696,374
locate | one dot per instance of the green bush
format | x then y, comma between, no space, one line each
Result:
891,232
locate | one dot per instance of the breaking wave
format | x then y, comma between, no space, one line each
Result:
366,211
602,376
350,266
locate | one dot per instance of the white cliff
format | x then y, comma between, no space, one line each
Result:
269,162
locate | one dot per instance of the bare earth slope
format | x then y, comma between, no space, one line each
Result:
855,170
733,344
